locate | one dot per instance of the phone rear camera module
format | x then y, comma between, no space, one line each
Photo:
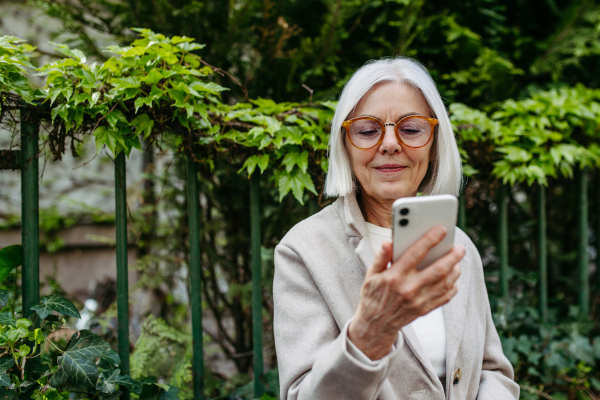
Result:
403,222
404,211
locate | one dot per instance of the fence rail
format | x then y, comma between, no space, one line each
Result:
27,161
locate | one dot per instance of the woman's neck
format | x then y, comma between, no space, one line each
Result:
375,211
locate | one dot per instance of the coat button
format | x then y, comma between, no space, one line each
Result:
457,375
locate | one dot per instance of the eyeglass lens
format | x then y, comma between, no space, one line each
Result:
414,132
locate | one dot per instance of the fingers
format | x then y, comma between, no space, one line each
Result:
444,268
382,258
417,252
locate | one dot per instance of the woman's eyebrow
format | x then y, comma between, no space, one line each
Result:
399,118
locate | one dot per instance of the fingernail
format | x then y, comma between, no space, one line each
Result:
441,231
462,250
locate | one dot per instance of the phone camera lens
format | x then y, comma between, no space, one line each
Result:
404,211
403,222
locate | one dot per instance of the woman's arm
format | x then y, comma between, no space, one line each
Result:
312,353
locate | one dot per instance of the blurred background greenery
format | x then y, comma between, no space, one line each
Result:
479,52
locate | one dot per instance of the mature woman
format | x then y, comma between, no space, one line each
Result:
347,325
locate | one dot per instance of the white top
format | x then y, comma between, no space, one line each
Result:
430,329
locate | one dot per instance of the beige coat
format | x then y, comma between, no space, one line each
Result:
320,266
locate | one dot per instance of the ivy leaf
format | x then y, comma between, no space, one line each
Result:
10,257
296,182
6,363
143,124
155,391
6,318
56,303
4,296
50,394
77,361
80,370
59,378
7,394
109,359
108,381
87,343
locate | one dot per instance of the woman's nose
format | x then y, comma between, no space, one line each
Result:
390,143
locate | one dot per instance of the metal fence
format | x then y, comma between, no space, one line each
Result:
27,161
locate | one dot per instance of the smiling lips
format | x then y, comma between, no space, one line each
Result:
390,168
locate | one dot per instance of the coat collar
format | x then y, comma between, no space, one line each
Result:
454,311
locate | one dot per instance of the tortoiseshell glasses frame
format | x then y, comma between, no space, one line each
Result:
431,124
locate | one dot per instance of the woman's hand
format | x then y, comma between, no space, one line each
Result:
393,297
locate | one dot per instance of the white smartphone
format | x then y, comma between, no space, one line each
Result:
414,216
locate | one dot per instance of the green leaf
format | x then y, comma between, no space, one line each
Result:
296,182
56,303
294,158
6,363
77,361
143,124
262,161
114,117
7,394
6,318
154,391
59,378
154,76
108,381
81,371
23,350
87,343
4,296
109,359
50,394
10,256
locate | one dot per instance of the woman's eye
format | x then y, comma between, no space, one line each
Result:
369,132
411,131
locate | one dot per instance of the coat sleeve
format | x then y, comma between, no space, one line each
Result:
312,353
497,375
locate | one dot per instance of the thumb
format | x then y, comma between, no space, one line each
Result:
382,258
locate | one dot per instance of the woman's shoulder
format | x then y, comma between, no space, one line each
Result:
324,226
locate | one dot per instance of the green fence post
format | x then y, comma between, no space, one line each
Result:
257,328
462,224
582,242
542,253
196,278
30,210
122,278
503,220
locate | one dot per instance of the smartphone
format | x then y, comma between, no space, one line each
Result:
414,216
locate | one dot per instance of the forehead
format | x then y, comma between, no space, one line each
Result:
391,101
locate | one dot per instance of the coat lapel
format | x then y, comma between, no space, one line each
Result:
365,253
454,315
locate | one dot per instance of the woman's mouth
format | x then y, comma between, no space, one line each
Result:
390,168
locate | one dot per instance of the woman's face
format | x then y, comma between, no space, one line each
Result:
391,170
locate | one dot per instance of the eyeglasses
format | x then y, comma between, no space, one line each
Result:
413,131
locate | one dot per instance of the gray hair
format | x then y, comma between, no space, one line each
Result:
445,173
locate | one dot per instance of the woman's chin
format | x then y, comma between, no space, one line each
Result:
393,192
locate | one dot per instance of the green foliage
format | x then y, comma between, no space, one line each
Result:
14,64
87,365
547,134
552,359
57,303
10,258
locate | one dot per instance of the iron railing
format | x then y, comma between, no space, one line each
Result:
27,161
